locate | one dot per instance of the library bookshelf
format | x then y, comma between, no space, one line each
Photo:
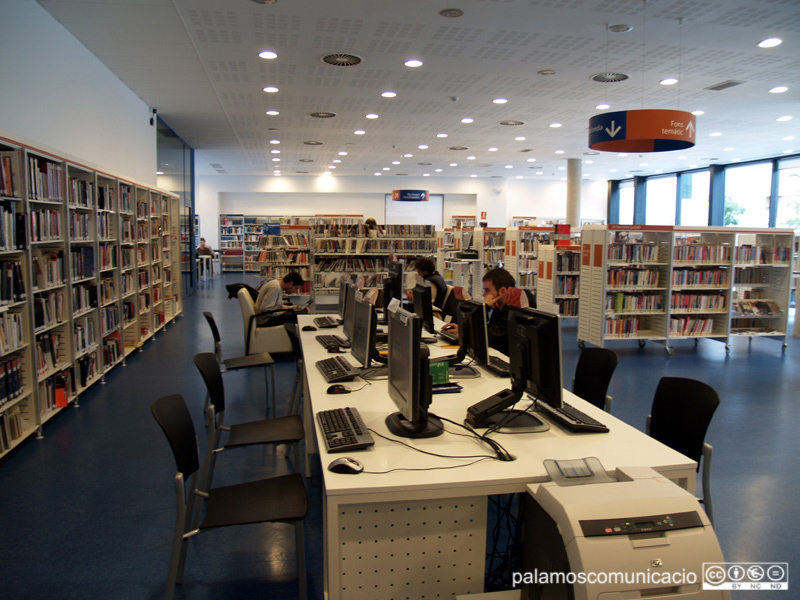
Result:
559,280
91,267
668,284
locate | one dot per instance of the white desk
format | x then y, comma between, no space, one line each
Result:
425,531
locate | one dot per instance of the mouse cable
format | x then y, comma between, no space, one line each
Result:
496,428
502,453
430,468
402,443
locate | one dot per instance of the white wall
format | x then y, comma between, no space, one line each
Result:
57,96
500,199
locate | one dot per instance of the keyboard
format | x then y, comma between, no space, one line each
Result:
571,418
448,335
332,341
336,369
498,366
326,322
344,430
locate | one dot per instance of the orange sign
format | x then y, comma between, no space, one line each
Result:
647,130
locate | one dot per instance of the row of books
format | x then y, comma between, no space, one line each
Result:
106,226
707,301
82,262
705,277
278,271
526,280
54,391
46,225
12,426
8,184
48,309
108,290
84,335
105,197
702,253
568,285
749,276
621,302
47,351
493,255
45,179
350,264
627,327
763,254
86,369
12,227
632,278
494,239
142,209
568,307
80,227
10,379
768,308
627,252
81,193
12,332
296,257
127,230
690,326
84,296
12,285
111,352
108,257
568,261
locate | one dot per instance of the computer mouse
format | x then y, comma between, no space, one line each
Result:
346,465
309,328
335,351
339,389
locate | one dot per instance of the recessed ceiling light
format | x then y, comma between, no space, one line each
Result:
331,166
499,100
407,155
715,134
342,153
274,141
337,160
359,132
371,116
538,172
467,120
509,166
697,113
423,146
275,151
386,168
602,106
668,81
787,138
770,43
395,162
377,174
273,113
784,118
555,125
531,160
520,138
779,89
438,170
388,94
622,154
453,164
159,172
492,149
728,149
473,175
413,63
441,135
588,162
470,158
270,89
559,152
276,159
267,54
788,151
426,174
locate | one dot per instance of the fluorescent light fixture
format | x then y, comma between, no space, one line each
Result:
337,160
467,120
509,166
385,169
492,149
438,170
603,106
453,164
275,151
342,153
423,146
273,113
622,154
395,162
470,158
413,63
770,42
473,175
274,141
377,174
441,135
499,100
787,138
371,116
276,159
728,149
407,155
426,174
159,172
271,89
359,132
268,54
668,81
388,94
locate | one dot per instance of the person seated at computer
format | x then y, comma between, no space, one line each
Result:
497,285
426,269
204,249
270,294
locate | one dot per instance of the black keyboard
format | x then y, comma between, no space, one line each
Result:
498,366
326,322
448,335
332,341
571,418
336,369
344,430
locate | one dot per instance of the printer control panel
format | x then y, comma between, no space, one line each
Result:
640,524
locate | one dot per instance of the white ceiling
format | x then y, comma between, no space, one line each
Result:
196,62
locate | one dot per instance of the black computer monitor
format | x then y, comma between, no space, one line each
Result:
473,336
534,342
342,307
362,345
409,378
423,305
349,310
393,283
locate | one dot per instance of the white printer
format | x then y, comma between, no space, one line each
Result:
637,535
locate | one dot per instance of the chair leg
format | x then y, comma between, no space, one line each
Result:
274,397
301,559
707,481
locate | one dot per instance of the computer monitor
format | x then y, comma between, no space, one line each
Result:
342,307
473,336
349,310
409,378
393,283
423,304
534,340
362,346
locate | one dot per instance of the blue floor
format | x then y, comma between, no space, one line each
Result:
87,512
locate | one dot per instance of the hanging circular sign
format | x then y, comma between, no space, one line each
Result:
648,130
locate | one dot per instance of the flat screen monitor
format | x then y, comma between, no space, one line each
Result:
473,336
342,307
409,378
423,305
349,310
534,342
362,345
393,283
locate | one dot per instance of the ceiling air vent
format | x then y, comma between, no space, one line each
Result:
322,115
718,87
341,59
458,148
511,123
609,77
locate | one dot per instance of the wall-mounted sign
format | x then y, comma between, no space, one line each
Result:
410,195
647,130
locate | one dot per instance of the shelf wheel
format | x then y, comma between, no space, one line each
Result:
582,344
642,343
668,351
783,349
727,350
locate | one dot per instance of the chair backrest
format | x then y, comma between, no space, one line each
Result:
176,423
215,333
291,331
516,297
461,293
681,414
593,374
248,312
207,364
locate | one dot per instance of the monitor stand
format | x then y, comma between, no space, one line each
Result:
401,427
375,373
516,421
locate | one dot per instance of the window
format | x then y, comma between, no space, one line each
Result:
626,203
695,188
660,193
789,195
747,190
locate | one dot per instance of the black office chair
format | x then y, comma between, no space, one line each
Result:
681,413
593,375
276,500
297,352
280,430
262,359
